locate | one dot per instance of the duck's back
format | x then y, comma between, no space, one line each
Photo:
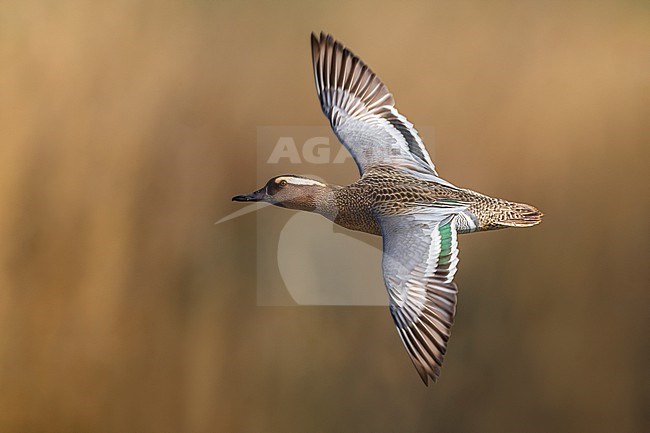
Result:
386,190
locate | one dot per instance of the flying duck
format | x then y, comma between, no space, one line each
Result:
398,196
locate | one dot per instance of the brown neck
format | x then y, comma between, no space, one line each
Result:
325,202
319,199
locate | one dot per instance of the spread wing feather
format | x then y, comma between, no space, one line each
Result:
419,262
362,112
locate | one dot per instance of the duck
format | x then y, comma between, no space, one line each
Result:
398,196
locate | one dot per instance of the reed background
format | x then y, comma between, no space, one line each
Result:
125,128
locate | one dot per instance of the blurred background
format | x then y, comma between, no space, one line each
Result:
126,127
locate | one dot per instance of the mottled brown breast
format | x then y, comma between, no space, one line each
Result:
355,208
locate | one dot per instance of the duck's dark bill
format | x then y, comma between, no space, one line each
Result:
254,196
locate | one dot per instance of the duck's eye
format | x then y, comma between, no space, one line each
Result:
283,183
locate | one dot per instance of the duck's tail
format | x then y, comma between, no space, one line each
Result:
518,215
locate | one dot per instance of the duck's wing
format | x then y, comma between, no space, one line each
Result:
419,263
362,110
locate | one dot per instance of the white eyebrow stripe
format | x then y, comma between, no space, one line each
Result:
299,181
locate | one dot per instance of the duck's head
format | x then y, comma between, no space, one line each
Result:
290,191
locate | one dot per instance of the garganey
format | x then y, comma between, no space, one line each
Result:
399,197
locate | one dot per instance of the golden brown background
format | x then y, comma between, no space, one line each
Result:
125,128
